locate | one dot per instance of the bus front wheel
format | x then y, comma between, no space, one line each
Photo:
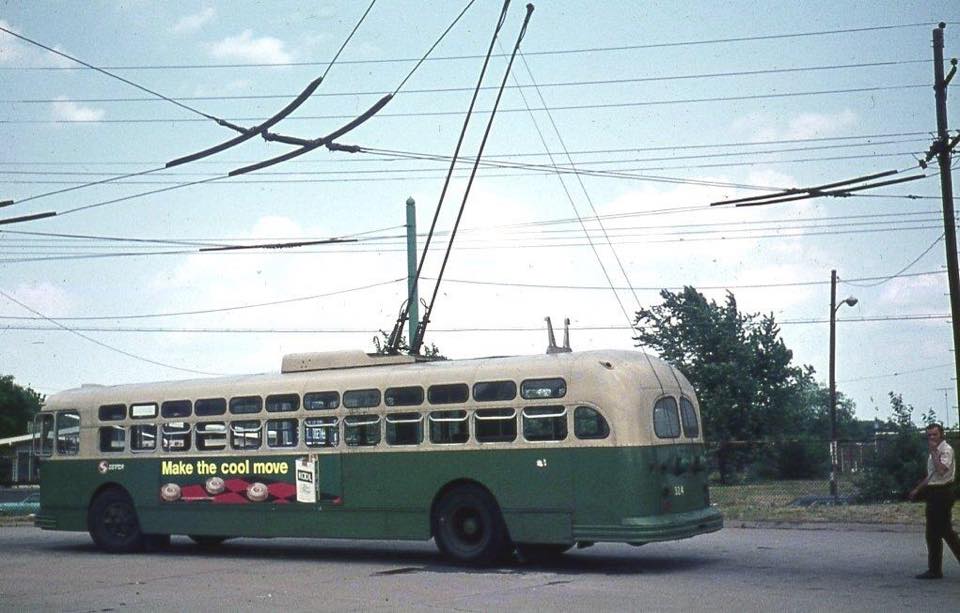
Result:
113,523
469,527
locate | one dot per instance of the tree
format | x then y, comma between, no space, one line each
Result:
899,460
743,373
18,405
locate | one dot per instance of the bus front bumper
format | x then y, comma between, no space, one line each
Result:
668,527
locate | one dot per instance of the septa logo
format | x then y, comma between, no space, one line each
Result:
103,467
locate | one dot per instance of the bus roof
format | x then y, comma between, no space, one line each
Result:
349,370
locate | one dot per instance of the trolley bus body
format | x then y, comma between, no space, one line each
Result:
551,450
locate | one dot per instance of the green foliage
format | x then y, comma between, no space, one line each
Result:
900,459
748,386
799,458
18,405
381,346
738,363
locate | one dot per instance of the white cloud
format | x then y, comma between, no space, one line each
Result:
10,48
245,47
192,23
67,110
762,126
15,52
44,297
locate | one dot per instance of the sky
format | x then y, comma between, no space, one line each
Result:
654,110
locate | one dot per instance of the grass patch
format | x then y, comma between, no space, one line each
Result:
772,502
888,513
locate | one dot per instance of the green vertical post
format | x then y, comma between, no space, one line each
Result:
412,268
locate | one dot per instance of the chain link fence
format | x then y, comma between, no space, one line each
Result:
777,479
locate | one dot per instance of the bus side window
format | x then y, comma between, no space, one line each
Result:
320,431
283,403
449,427
246,434
316,401
143,437
494,391
143,411
545,423
175,436
282,432
361,399
452,393
176,408
361,430
244,405
403,396
691,427
43,437
666,421
532,389
210,406
589,423
112,412
405,428
495,425
68,433
112,439
211,436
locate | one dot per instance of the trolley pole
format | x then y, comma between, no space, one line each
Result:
946,189
412,267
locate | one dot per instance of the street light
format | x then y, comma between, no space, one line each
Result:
834,451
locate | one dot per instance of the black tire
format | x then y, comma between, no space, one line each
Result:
113,524
541,552
206,541
469,528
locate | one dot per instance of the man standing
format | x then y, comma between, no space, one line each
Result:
937,489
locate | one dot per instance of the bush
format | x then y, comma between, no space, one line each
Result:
791,460
899,462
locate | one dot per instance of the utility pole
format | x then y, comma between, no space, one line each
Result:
412,293
834,446
942,147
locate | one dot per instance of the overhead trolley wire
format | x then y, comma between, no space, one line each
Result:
417,340
678,147
902,270
60,326
349,126
545,286
580,50
246,134
307,145
569,107
111,75
441,90
261,129
393,340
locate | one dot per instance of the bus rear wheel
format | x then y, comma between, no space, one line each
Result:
113,523
468,526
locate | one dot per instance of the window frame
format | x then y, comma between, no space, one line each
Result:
674,422
487,414
557,413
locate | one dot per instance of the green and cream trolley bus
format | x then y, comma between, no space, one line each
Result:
486,456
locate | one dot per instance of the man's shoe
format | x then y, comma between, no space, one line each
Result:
930,575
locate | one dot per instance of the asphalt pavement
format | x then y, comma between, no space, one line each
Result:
736,569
